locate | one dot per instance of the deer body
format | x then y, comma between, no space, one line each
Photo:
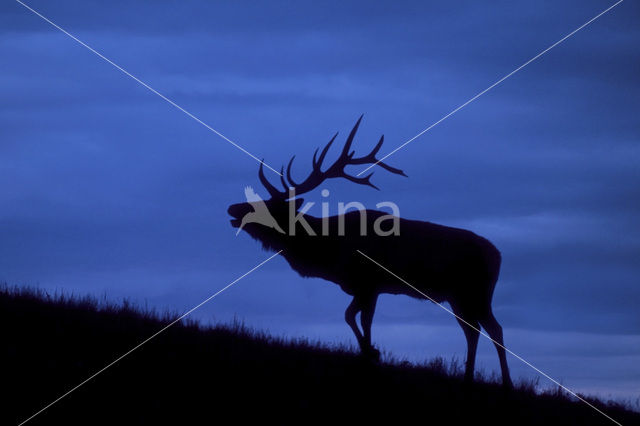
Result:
451,258
445,263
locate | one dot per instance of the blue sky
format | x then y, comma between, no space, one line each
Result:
107,189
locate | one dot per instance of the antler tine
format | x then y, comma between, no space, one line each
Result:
273,191
361,181
371,159
391,169
284,184
376,148
318,164
289,178
347,145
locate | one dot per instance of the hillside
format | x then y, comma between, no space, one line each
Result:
228,374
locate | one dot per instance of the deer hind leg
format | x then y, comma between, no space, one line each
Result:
471,330
494,330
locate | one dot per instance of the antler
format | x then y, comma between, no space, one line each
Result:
336,170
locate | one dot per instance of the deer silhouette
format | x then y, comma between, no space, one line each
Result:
445,263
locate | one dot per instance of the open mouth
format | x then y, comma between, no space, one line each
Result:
235,222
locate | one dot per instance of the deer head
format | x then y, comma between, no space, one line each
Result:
272,215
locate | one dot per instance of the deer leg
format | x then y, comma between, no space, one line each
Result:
472,334
366,320
494,330
350,318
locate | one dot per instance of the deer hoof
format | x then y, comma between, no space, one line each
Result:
371,354
507,385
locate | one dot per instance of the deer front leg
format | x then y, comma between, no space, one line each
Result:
368,305
350,318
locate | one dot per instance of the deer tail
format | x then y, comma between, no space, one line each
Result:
493,260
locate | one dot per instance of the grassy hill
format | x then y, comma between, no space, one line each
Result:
228,374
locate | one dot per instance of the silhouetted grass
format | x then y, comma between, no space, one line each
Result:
233,374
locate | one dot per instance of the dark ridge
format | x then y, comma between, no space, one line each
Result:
193,374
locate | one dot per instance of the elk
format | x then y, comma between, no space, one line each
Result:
445,263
